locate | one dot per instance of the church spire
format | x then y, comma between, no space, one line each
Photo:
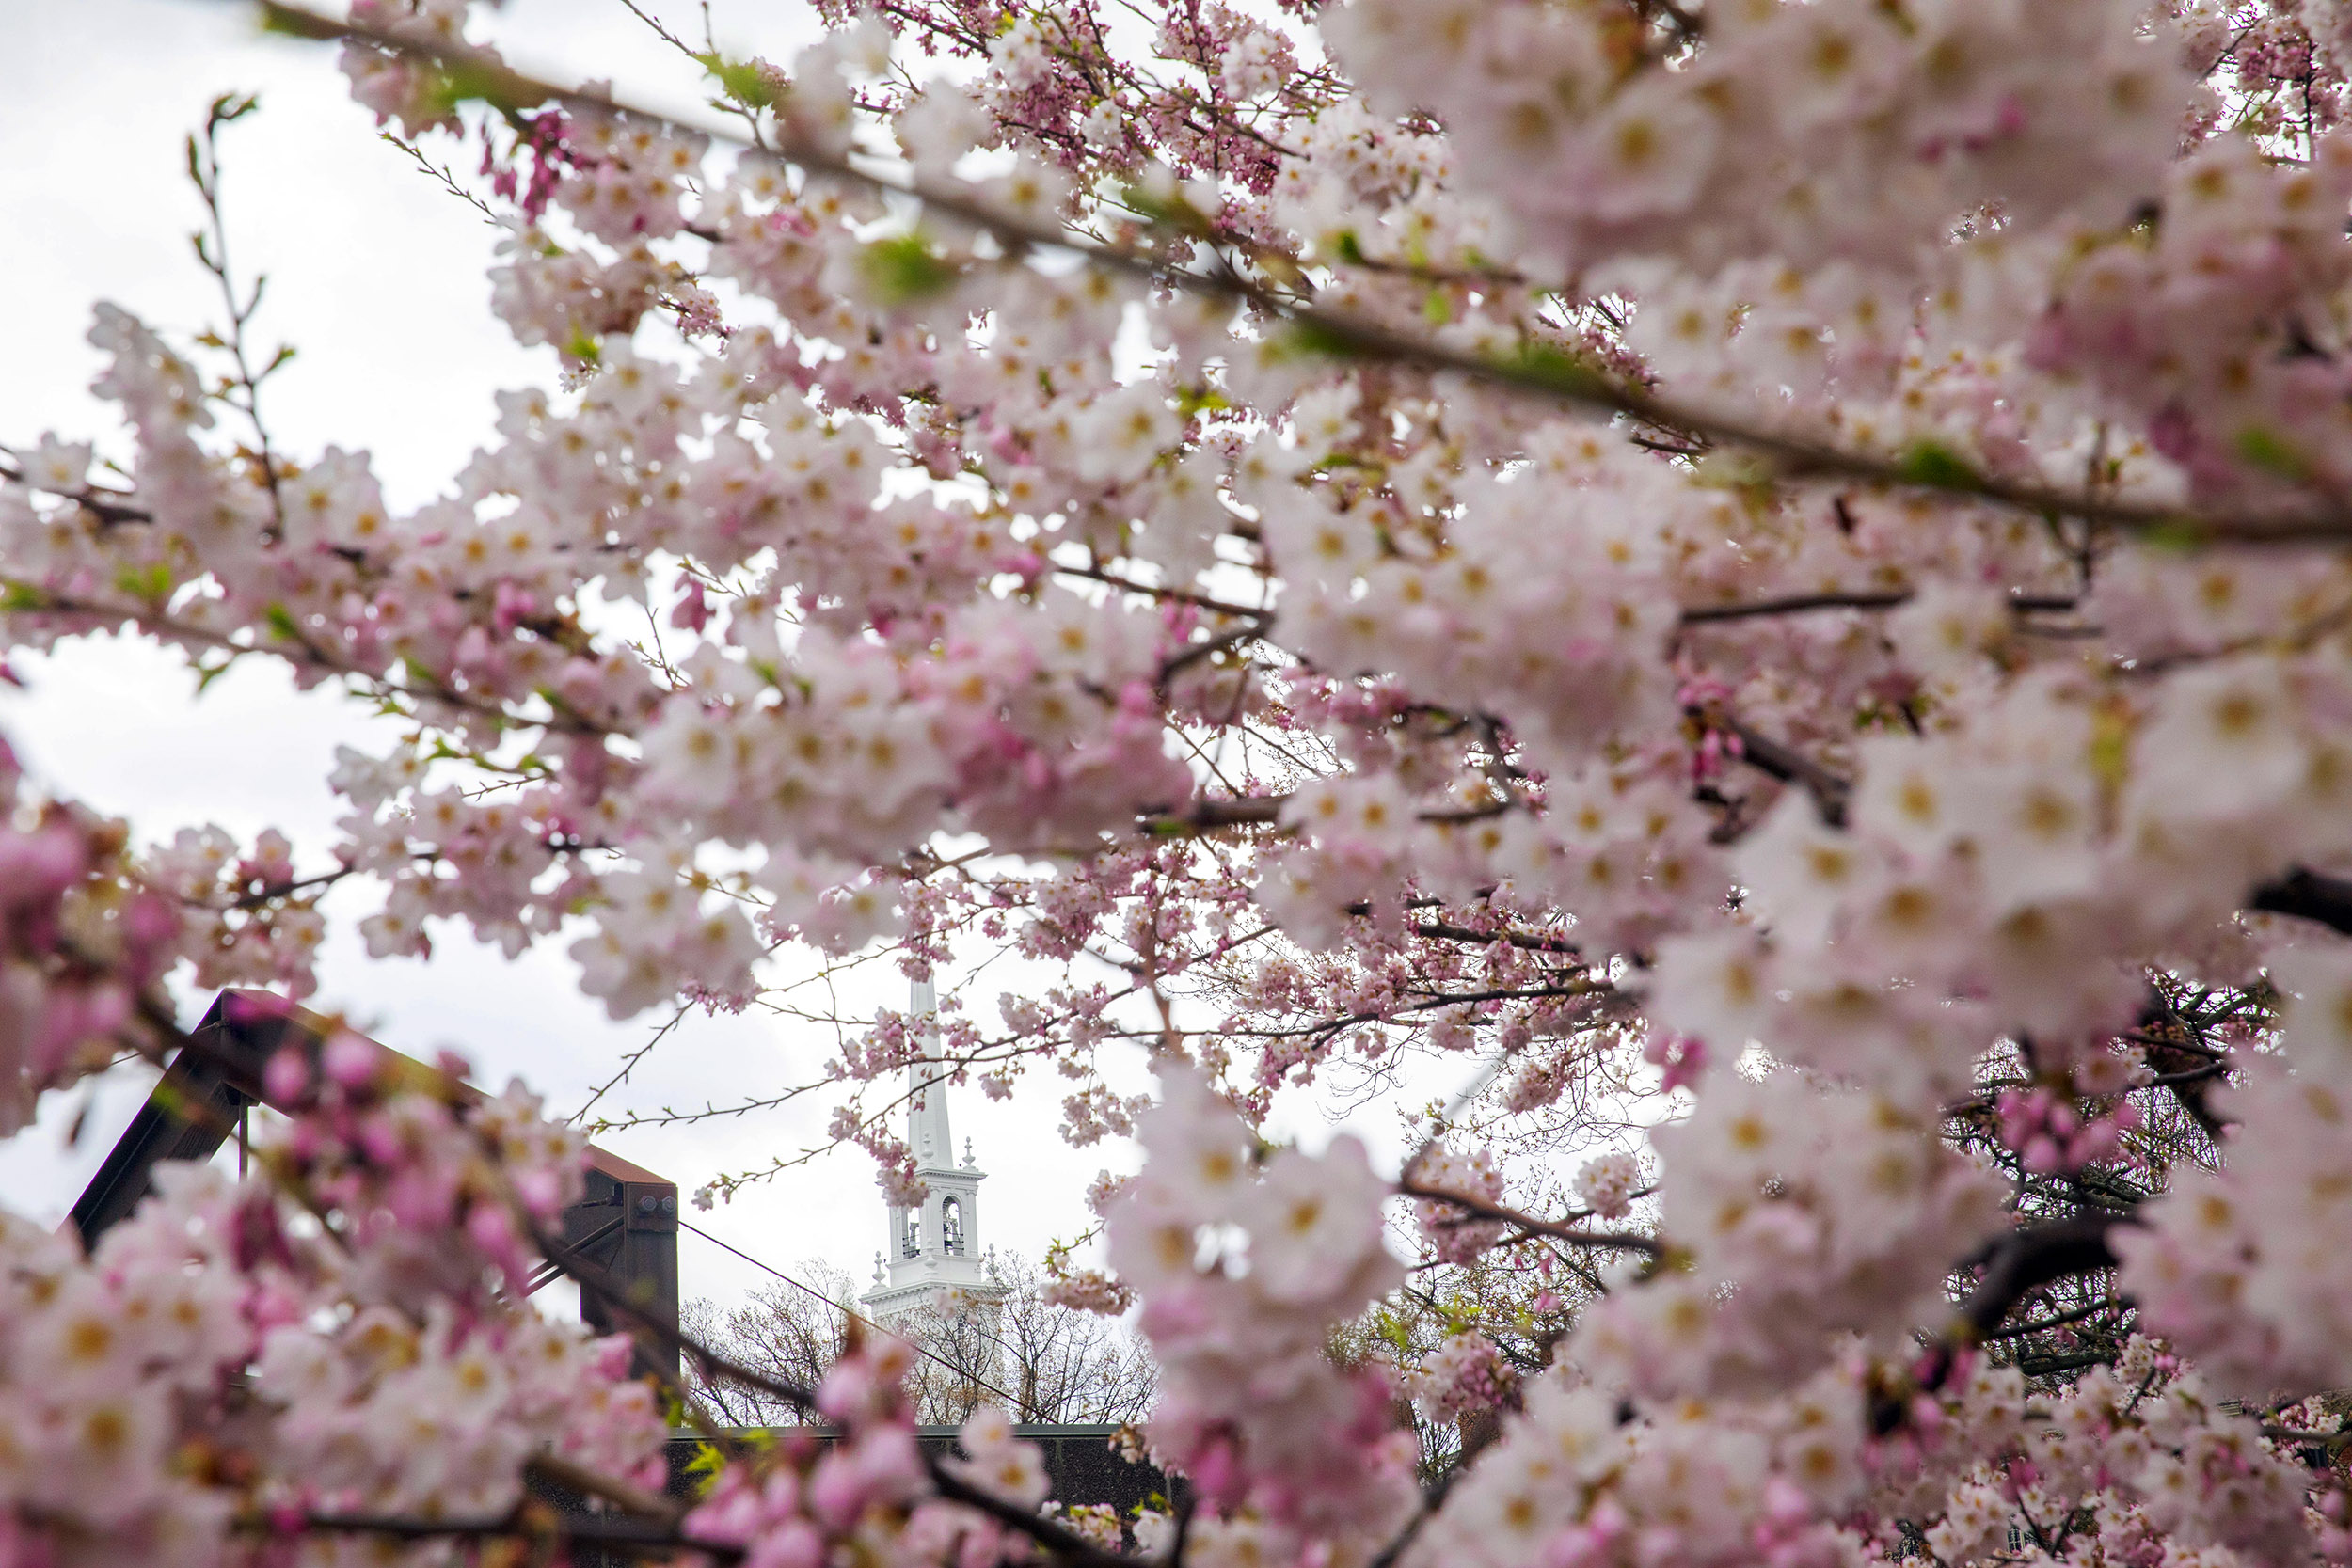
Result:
928,1133
934,1248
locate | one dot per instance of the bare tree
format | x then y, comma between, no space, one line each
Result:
1039,1362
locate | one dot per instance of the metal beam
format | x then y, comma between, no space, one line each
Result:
626,1221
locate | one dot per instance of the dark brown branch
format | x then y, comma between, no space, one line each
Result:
2050,1366
1799,603
1529,1224
1173,595
1209,811
1796,604
97,503
1436,930
2308,895
2026,1260
1785,763
2107,1304
2014,1266
1054,1536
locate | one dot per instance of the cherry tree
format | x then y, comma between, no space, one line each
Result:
1782,560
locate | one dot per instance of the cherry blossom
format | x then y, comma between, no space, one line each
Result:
1762,584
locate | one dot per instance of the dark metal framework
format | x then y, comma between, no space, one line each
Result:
625,1223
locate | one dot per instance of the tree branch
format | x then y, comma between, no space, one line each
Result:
1541,368
2034,1256
1529,1224
2308,895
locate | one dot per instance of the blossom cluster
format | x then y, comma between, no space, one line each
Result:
1243,1274
801,1502
1780,558
224,1365
2135,1463
1802,1217
1465,1375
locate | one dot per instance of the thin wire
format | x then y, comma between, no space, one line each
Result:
1010,1402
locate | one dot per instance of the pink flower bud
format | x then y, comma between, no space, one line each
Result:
491,1230
349,1060
1573,1547
287,1077
1783,1504
836,1493
793,1545
541,1191
511,604
2095,1142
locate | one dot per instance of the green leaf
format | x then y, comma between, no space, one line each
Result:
281,621
150,583
2272,453
1170,209
1938,467
457,82
905,268
1553,367
2110,749
1309,337
2175,534
1349,249
1192,399
741,80
1735,469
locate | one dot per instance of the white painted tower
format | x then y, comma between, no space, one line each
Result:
933,1250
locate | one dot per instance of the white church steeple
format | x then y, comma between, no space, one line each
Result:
934,1249
927,1136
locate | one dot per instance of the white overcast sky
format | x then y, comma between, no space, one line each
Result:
378,275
